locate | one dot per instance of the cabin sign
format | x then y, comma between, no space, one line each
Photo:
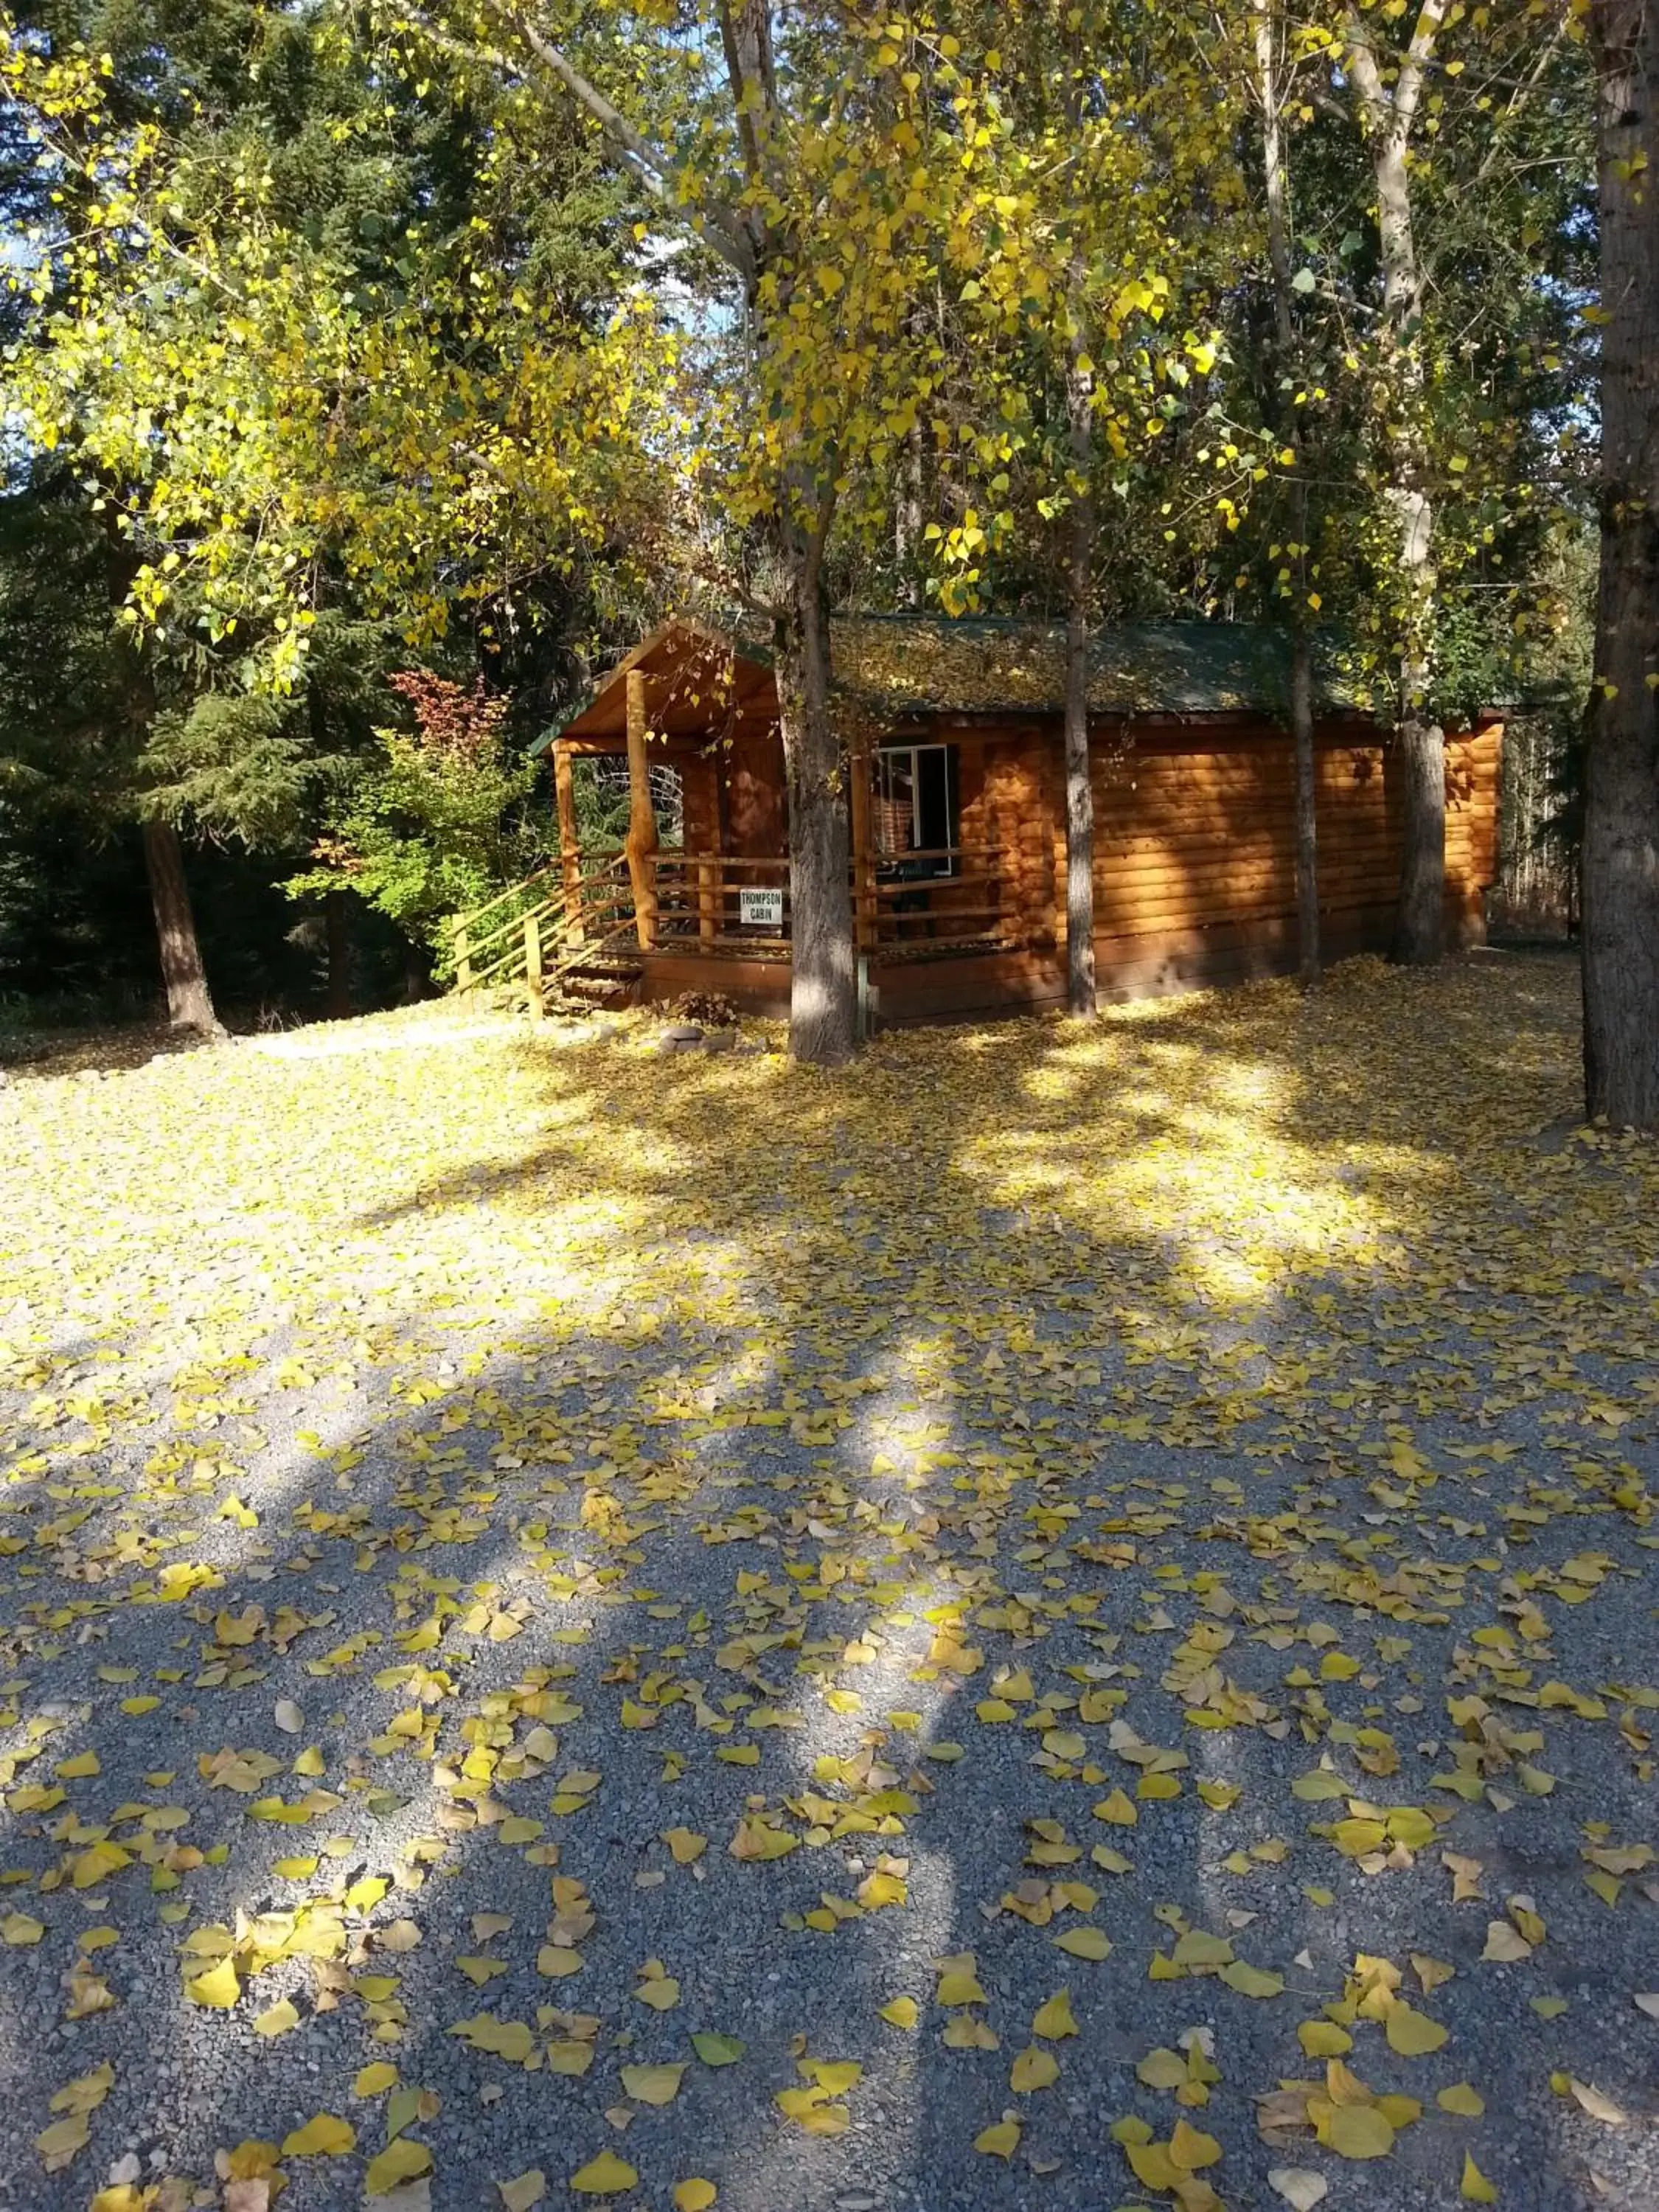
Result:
760,909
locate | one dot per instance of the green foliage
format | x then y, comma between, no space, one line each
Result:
436,821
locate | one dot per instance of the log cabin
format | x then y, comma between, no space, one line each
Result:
953,736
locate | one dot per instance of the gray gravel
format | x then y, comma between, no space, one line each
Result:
1245,1318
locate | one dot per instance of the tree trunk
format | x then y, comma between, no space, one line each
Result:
189,1004
1080,991
1620,865
823,985
908,518
1389,110
1278,197
1307,824
338,941
1420,922
1420,932
417,972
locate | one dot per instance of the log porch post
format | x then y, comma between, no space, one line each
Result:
865,910
641,843
533,966
570,855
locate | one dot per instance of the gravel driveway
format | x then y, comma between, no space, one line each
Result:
1066,1619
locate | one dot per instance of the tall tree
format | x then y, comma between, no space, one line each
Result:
1272,89
1389,87
815,161
286,317
1621,930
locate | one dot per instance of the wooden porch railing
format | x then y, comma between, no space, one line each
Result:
964,894
544,929
585,909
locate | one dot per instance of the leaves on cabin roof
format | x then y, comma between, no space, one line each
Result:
891,666
901,663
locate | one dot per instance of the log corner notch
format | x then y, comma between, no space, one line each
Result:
641,845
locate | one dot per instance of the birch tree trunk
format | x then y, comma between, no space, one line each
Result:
1278,197
190,1006
1080,990
1620,864
1389,111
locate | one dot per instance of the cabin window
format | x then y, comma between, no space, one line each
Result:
916,809
600,786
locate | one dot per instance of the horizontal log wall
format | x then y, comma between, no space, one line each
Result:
1196,834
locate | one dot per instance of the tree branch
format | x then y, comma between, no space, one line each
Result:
719,224
1394,111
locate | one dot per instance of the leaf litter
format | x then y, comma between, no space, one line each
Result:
1226,1431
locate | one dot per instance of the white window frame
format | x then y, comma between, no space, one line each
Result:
912,753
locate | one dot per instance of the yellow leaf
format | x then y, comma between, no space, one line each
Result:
1190,2148
1001,2141
400,2161
1153,2165
1323,2038
1251,1981
1475,2186
1411,2033
1084,1943
21,1928
652,2085
1053,2019
607,2175
507,2038
325,2137
278,2019
1119,1808
58,2143
478,1972
1467,2102
1356,2131
523,2194
91,1867
374,2078
1505,1944
685,1843
899,2012
87,2093
1034,2069
694,2196
218,1986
